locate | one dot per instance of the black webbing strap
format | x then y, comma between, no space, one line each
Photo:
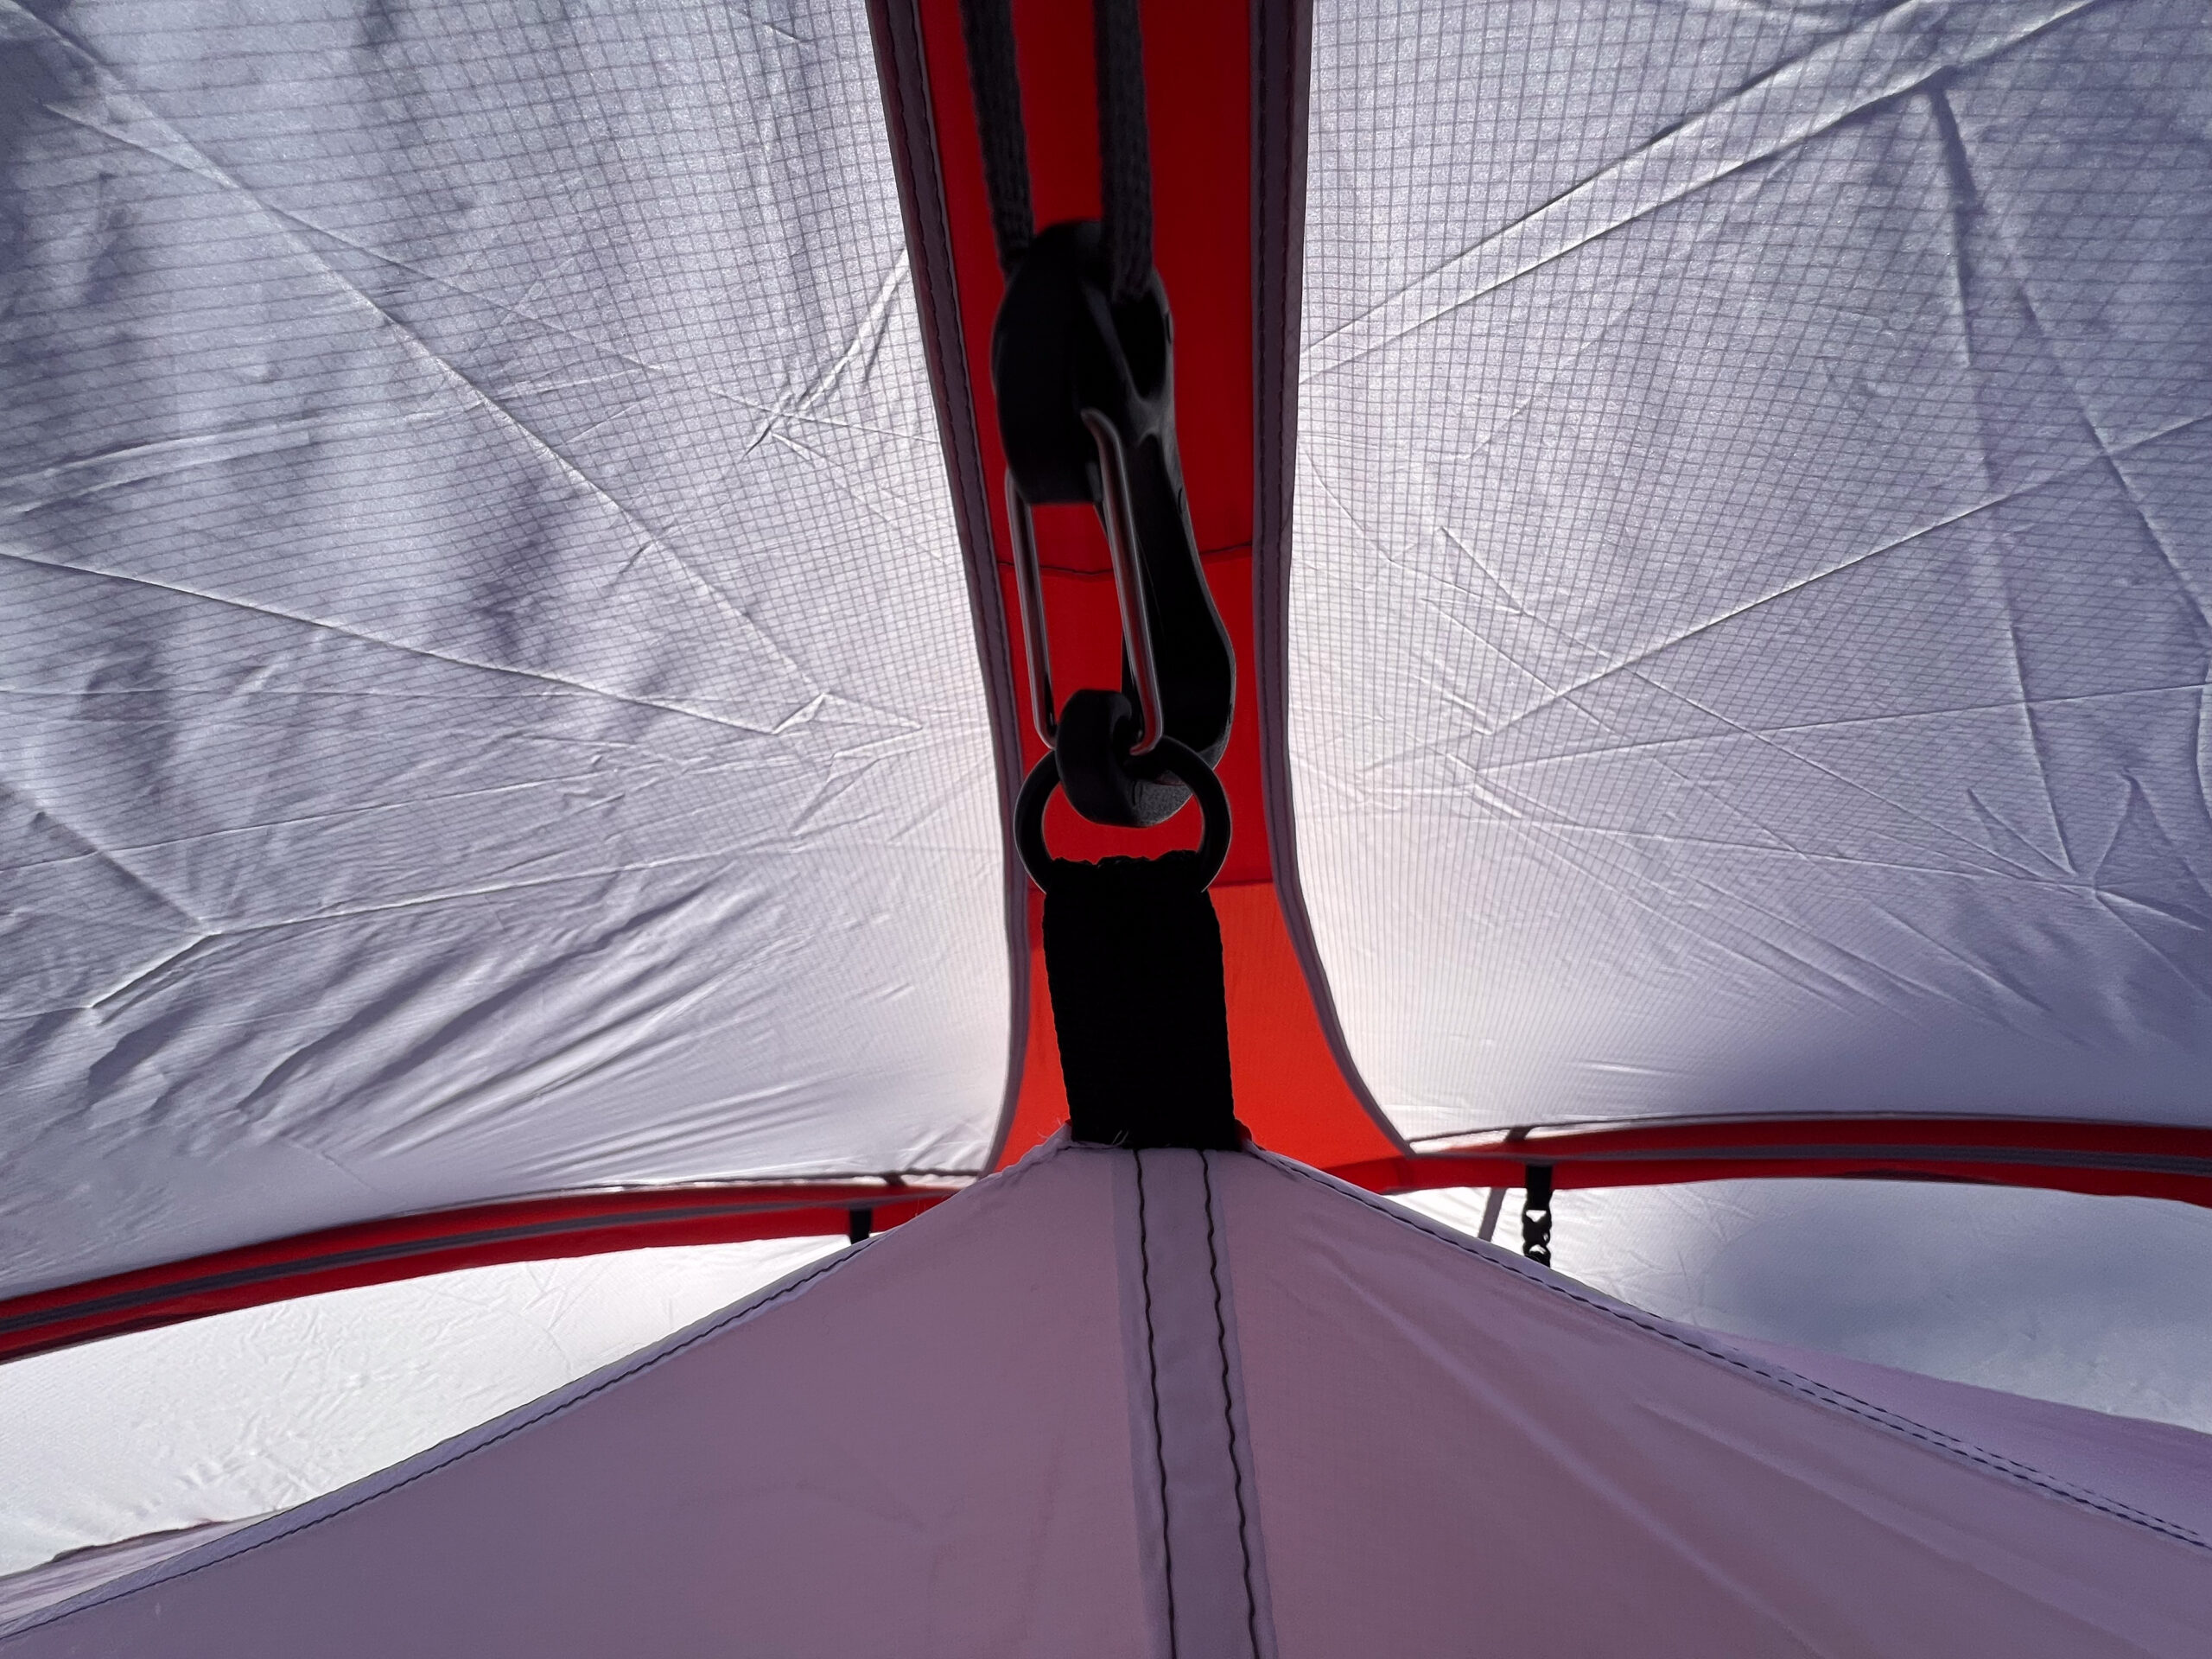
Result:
1124,148
1132,953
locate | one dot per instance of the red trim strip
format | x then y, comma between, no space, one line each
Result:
2115,1160
409,1247
2125,1159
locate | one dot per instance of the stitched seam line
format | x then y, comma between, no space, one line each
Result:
1159,1445
1229,1410
1935,1439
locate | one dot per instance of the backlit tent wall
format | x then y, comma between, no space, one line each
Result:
510,697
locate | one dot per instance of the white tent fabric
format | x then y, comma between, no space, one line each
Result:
490,700
1357,1433
225,1418
493,708
2100,1302
2092,1302
1753,545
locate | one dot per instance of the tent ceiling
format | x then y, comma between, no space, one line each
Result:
1749,619
495,710
491,699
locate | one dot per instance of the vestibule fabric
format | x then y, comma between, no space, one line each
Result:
1752,552
490,700
972,1435
2099,1302
239,1414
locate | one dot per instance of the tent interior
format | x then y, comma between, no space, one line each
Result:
544,1093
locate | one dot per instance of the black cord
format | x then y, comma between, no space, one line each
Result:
994,81
1536,1213
1124,148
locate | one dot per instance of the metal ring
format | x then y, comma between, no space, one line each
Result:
1179,760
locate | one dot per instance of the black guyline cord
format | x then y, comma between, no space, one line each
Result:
1124,147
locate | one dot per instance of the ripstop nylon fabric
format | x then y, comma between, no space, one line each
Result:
490,700
1364,1434
1753,554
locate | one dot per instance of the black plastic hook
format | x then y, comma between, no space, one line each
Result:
1086,389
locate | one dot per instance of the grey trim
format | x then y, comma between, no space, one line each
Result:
903,72
1282,38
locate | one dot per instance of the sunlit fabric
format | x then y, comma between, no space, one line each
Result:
1753,541
512,670
491,699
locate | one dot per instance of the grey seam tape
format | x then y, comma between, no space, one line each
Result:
1152,1374
1228,1381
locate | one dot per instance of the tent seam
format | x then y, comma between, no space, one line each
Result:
1228,1407
1151,1370
1935,1440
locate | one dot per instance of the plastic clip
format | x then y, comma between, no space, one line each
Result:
1087,410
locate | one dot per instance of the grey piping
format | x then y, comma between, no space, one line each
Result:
1282,38
902,72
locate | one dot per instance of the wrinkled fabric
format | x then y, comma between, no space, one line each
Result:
2097,1302
943,1443
223,1418
490,699
1752,548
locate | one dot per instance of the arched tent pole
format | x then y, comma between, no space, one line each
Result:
2104,1160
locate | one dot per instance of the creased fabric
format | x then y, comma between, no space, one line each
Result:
490,699
946,1442
1753,543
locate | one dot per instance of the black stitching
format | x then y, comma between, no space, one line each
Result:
1229,1410
1935,1439
1159,1445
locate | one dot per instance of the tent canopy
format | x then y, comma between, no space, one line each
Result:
512,670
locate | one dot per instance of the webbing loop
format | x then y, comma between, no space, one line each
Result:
1083,367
